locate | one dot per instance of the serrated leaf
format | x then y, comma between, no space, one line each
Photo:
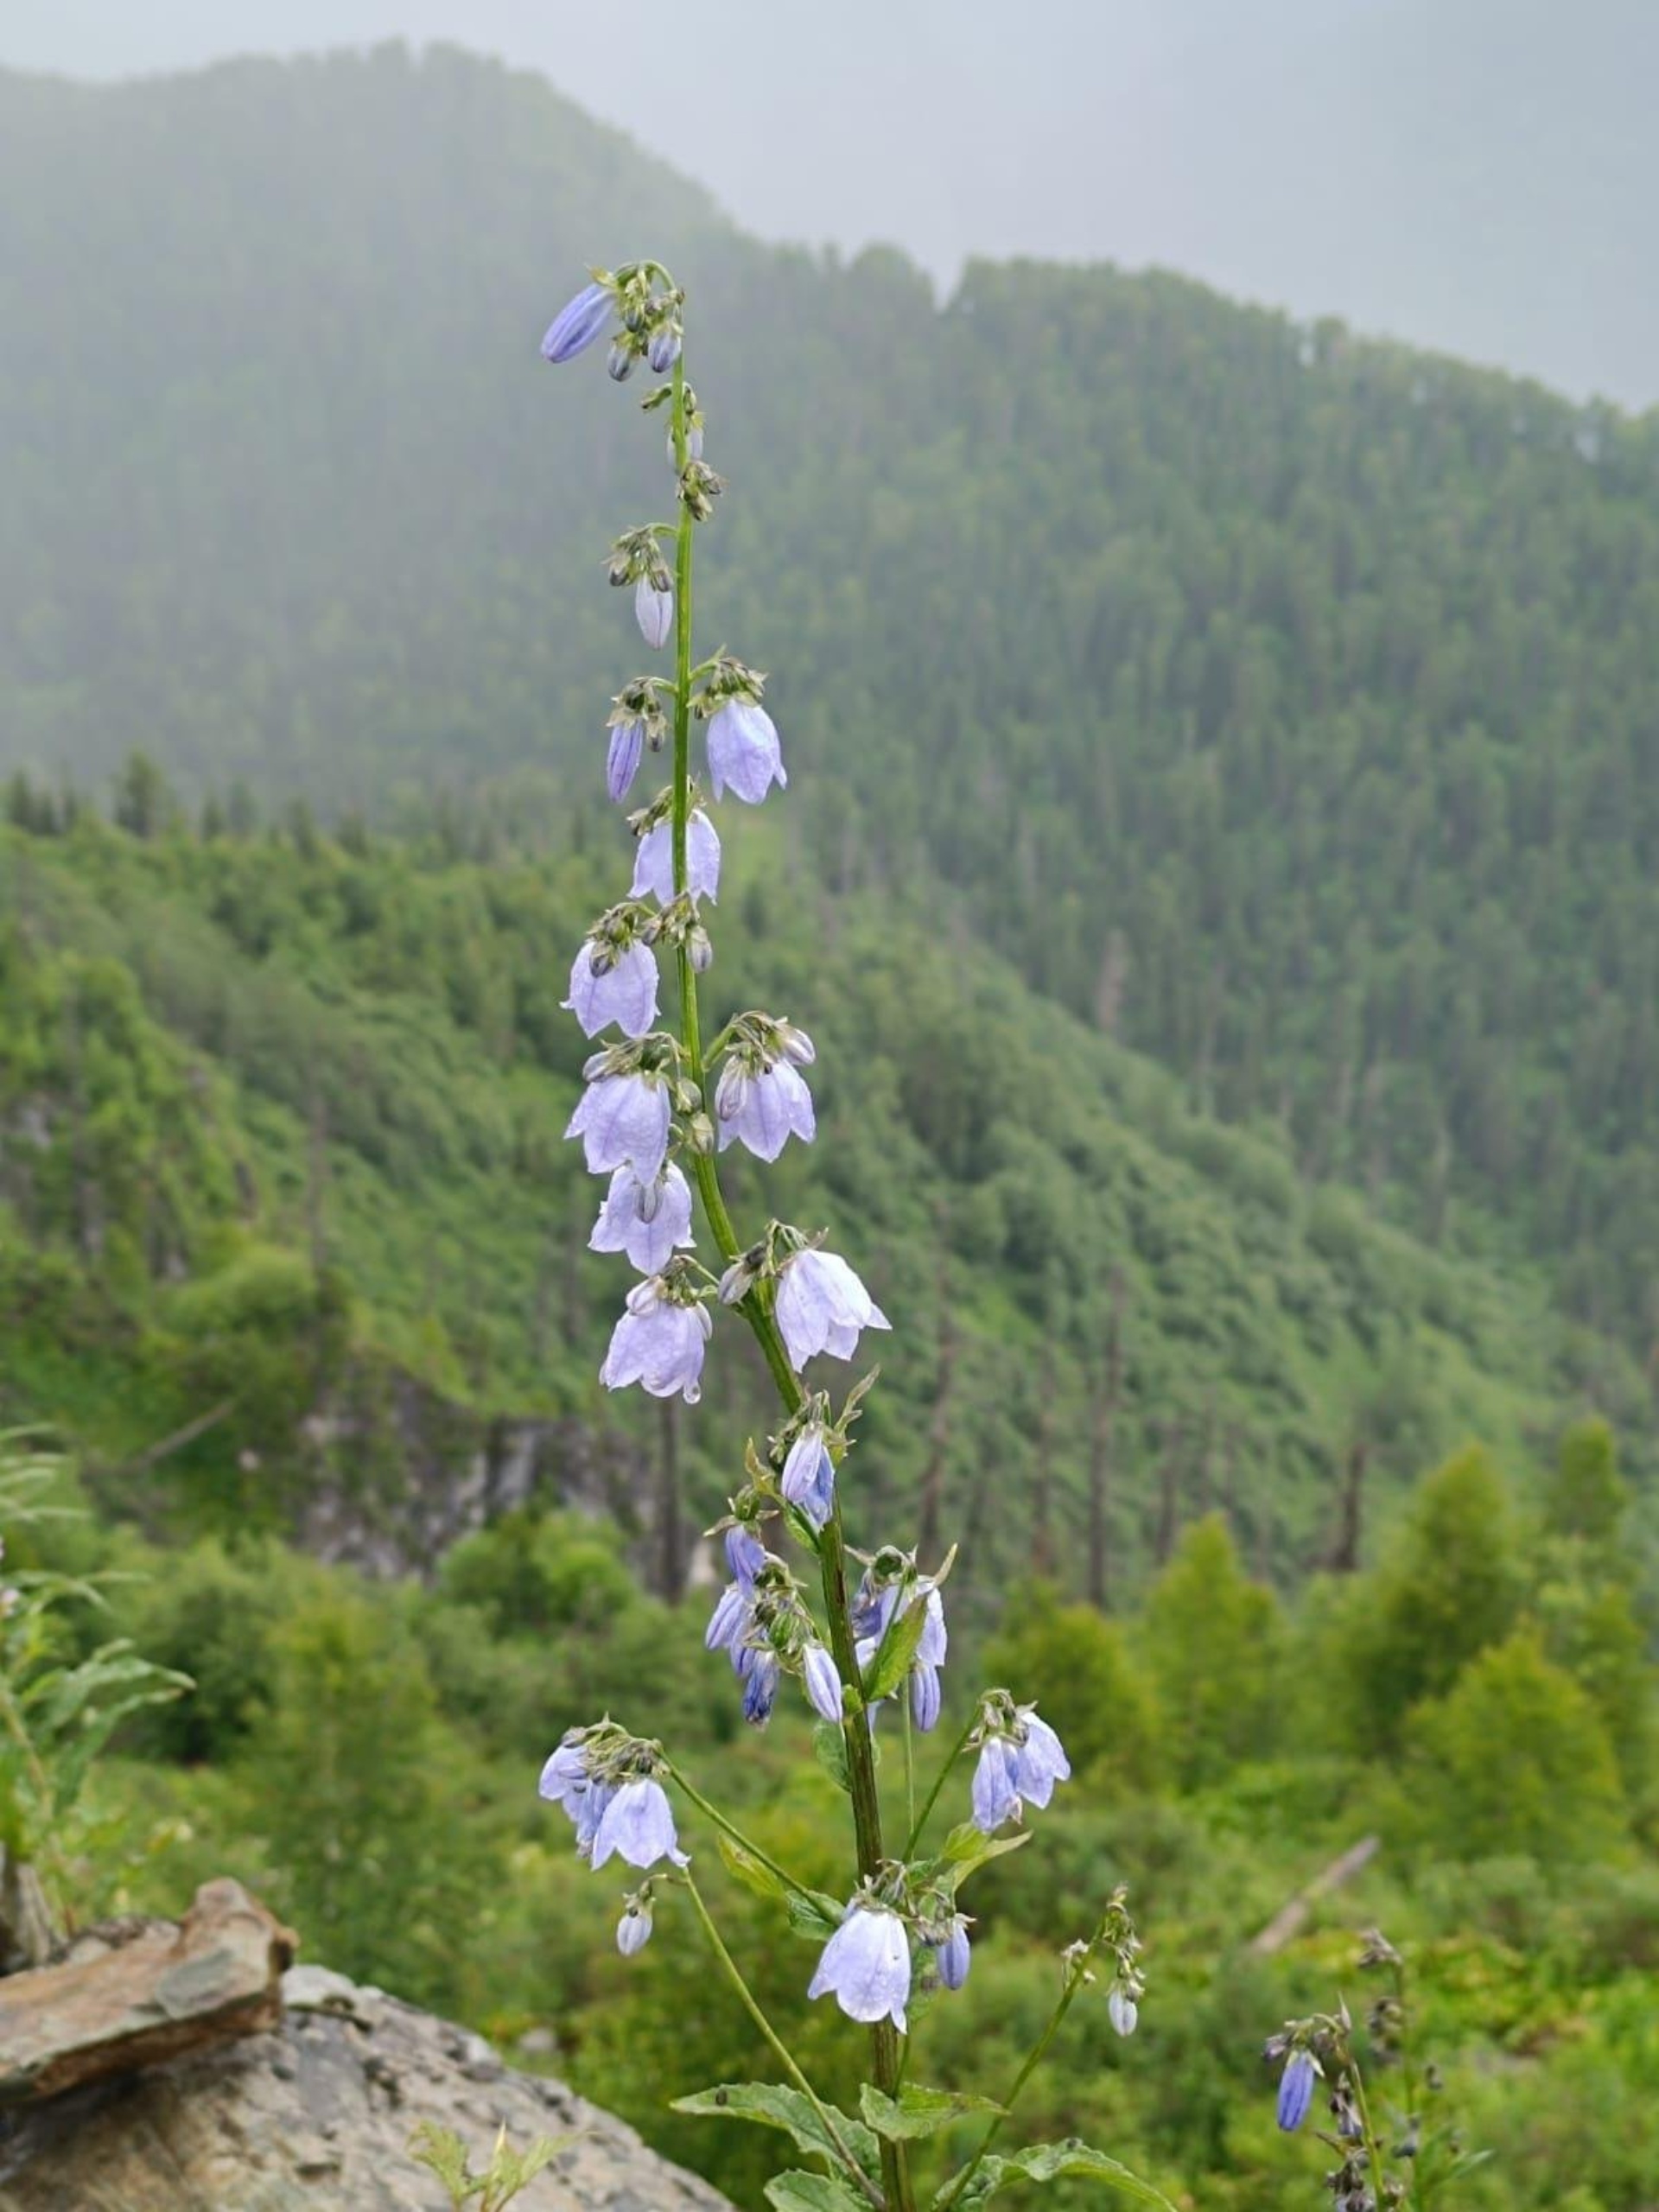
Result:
829,1749
769,2104
812,1914
886,1671
1048,2162
747,1868
813,2193
918,2111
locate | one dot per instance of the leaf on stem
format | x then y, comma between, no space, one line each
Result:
813,2193
747,1868
813,1915
1048,2162
916,2112
769,2104
829,1749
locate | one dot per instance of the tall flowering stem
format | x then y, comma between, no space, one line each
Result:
660,1105
756,1311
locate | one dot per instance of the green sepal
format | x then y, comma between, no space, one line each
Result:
1048,2162
918,2111
770,2104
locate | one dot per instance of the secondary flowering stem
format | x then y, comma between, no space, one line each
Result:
940,1781
1076,1975
730,1828
779,2049
757,1311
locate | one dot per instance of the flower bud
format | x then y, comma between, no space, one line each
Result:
700,950
622,760
798,1045
577,324
653,610
687,1097
736,1283
633,1930
1122,2011
619,364
732,1092
665,347
699,1134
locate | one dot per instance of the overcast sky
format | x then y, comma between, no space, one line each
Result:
1476,174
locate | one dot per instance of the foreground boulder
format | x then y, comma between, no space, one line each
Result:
310,2113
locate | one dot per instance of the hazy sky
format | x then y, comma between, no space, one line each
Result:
1476,174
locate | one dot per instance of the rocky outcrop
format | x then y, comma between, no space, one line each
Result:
314,2114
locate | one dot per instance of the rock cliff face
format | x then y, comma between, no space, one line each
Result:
316,2115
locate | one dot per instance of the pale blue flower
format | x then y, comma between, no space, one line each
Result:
648,1221
925,1696
658,1343
564,1778
996,1796
664,349
587,1811
763,1111
824,1689
638,1825
1039,1762
622,1121
745,1554
744,751
653,611
653,862
866,1964
622,758
633,1929
954,1956
822,1306
808,1478
758,1670
1296,2090
577,324
623,992
728,1624
872,1613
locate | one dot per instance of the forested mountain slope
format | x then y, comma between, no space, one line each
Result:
1285,704
280,1122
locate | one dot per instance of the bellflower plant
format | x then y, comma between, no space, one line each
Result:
852,1632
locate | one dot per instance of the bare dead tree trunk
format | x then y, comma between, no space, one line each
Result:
1042,1487
1344,1552
1103,1437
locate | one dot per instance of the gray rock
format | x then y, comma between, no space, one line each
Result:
315,2117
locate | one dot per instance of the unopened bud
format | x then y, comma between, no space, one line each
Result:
798,1045
619,365
700,950
687,1097
732,1093
664,348
699,1134
601,960
736,1283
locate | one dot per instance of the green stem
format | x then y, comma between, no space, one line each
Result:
1076,1976
714,1814
780,2050
1373,2148
910,1768
756,1310
940,1781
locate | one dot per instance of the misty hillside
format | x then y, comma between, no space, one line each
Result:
1259,690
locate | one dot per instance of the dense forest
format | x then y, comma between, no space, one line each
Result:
1281,702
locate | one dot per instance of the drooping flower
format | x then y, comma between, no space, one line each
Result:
808,1478
954,1956
824,1690
764,1110
577,324
728,1624
589,1811
648,1221
1122,2011
565,1779
625,751
619,362
822,1306
996,1796
623,988
633,1929
1039,1761
637,1825
1296,2090
872,1613
664,348
653,862
745,1554
653,611
744,751
866,1964
758,1670
658,1341
925,1696
622,1121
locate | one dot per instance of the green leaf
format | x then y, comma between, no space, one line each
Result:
769,2104
886,1671
830,1748
748,1869
813,2193
813,1915
1048,2162
918,2112
968,1848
